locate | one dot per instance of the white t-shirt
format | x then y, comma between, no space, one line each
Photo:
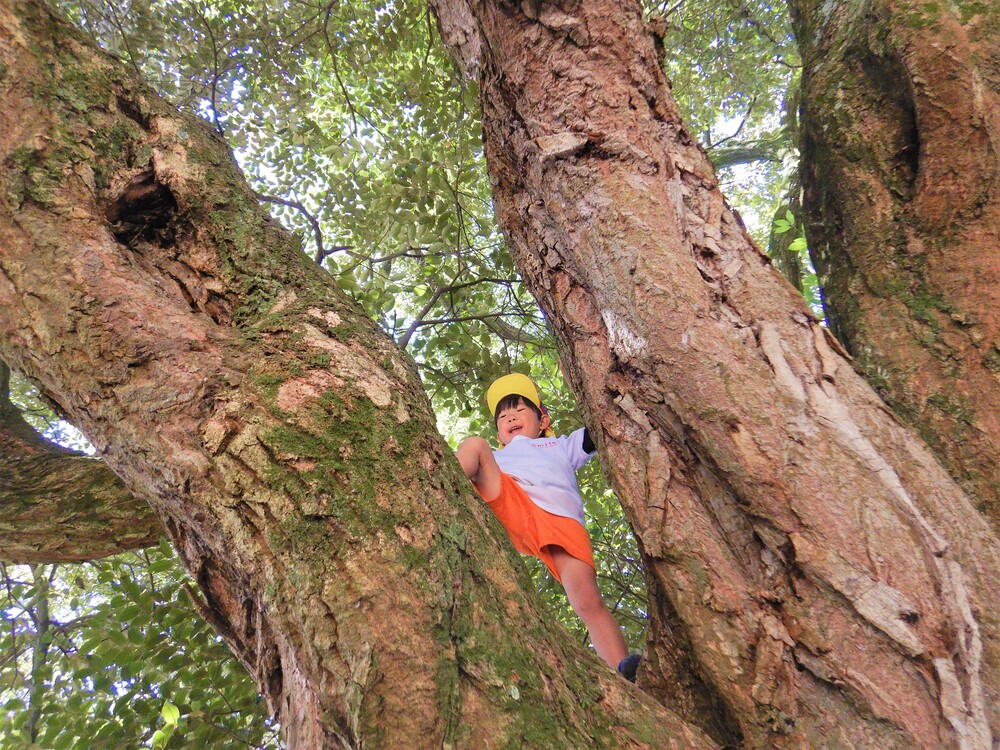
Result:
546,468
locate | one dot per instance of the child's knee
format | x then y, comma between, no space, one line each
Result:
474,446
585,597
589,603
476,457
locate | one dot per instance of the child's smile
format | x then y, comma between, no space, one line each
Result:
521,420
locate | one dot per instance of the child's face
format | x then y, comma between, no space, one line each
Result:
520,420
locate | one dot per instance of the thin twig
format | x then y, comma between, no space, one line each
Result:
321,252
121,30
739,129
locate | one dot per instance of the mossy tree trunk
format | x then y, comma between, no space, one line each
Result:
901,170
282,439
818,570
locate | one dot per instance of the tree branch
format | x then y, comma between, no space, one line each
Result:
321,252
59,505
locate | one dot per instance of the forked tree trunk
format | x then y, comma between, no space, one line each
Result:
834,586
901,169
282,439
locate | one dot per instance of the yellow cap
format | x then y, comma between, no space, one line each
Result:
514,384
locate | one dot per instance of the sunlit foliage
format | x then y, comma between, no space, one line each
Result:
731,63
92,654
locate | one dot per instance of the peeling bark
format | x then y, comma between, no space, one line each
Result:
284,441
835,587
901,155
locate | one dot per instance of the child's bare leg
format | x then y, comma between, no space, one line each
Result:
580,582
476,458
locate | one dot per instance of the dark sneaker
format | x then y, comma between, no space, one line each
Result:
627,667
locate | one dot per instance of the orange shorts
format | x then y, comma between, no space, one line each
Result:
535,531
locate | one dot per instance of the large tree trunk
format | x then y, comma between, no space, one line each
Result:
283,440
834,586
901,157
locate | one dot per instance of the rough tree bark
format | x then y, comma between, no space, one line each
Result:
283,440
834,586
901,157
59,505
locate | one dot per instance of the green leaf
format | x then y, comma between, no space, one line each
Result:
161,566
170,713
